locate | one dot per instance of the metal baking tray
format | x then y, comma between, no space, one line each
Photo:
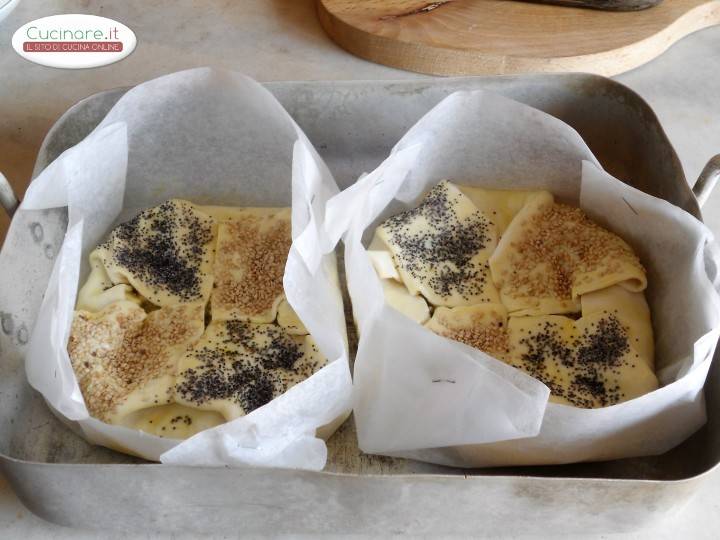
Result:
63,479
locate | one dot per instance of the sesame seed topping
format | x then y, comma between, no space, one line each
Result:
491,338
122,349
570,248
249,266
169,254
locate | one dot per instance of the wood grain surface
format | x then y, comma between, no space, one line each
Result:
617,5
486,37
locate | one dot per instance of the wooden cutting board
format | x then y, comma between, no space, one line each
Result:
486,37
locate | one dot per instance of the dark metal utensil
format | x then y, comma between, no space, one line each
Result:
609,5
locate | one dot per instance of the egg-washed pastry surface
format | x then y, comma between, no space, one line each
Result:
552,253
125,359
164,253
483,326
249,266
562,298
590,362
441,248
183,324
238,366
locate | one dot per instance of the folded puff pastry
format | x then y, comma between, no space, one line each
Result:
500,205
483,326
601,359
550,260
125,361
238,366
252,249
139,343
441,248
165,253
551,254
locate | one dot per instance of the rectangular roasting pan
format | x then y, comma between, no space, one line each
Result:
63,479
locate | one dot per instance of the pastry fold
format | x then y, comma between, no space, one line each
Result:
563,300
139,343
441,248
590,362
165,253
551,254
483,326
238,366
252,249
126,359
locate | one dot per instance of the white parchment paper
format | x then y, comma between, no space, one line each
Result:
211,137
492,414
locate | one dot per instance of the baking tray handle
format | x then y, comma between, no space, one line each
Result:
8,200
707,180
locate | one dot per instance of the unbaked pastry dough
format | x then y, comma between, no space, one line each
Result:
552,253
589,362
252,250
288,319
238,366
139,344
500,205
441,248
125,359
165,253
551,265
632,310
382,259
483,326
99,290
412,306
